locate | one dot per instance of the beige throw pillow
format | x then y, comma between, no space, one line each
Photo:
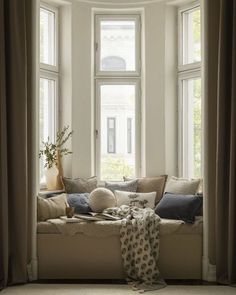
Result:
51,207
182,186
152,184
141,200
79,185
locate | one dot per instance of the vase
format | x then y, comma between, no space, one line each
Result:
60,172
51,175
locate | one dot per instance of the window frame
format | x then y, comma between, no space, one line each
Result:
117,81
184,164
44,66
181,66
51,72
186,72
97,45
51,76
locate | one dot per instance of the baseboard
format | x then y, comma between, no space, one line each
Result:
208,270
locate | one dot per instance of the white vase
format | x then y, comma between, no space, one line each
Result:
51,177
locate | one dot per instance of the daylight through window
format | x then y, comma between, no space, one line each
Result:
48,84
190,99
117,76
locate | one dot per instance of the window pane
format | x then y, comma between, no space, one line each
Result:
111,135
191,36
117,101
192,127
47,37
117,45
46,114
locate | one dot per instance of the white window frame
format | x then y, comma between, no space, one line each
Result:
185,72
54,104
118,17
51,72
48,67
183,119
118,81
181,65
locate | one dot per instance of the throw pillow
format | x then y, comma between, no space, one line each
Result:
141,200
181,207
100,199
80,202
128,186
152,184
52,207
182,186
79,185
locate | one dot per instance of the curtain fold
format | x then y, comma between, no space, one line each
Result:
220,140
16,144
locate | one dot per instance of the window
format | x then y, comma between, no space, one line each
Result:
117,45
190,37
117,78
190,100
111,135
48,84
129,135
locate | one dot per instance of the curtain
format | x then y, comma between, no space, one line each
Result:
220,139
16,140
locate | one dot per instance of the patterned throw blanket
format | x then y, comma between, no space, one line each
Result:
139,236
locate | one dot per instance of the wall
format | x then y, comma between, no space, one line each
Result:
171,90
159,91
65,58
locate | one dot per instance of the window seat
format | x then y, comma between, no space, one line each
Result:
94,251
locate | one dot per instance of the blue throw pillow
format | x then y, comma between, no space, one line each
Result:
181,207
80,202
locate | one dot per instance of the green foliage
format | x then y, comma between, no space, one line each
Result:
51,151
114,168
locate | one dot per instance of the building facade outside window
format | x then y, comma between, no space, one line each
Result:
129,135
190,98
111,135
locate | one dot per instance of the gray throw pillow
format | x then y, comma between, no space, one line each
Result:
80,202
180,207
128,186
79,185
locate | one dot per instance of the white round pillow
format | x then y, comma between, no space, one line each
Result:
100,199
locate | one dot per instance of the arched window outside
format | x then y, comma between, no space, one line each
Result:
113,63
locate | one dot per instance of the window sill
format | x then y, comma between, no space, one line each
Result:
45,193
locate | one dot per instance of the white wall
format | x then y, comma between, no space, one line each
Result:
65,91
171,90
159,148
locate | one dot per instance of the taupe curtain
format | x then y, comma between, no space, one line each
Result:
16,145
220,140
